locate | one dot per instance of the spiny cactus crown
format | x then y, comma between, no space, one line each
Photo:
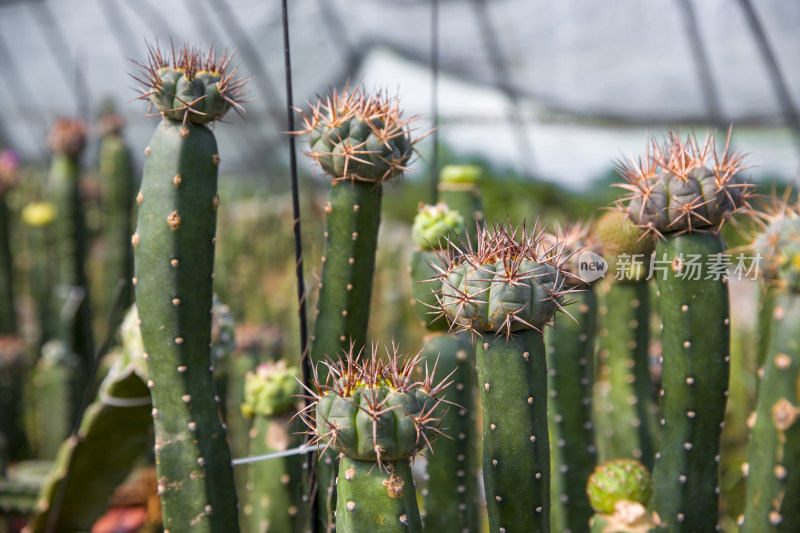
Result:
616,480
779,243
572,238
270,390
374,408
359,137
505,285
683,187
190,85
436,225
67,137
616,235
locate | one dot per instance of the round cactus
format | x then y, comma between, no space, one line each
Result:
376,410
682,186
503,286
436,225
271,389
779,244
617,236
620,479
360,137
189,85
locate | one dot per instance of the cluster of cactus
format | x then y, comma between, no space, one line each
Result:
377,412
173,269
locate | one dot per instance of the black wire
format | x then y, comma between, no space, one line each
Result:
298,245
435,99
774,71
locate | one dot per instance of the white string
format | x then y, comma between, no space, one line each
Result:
305,448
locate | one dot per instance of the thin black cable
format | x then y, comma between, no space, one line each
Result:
298,244
435,99
702,64
773,69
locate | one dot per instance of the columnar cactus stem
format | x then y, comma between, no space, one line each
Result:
377,414
506,292
360,141
174,265
694,193
512,380
8,180
12,380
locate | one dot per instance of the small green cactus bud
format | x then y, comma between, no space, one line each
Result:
684,187
271,389
189,85
376,410
467,174
616,236
359,137
435,225
617,480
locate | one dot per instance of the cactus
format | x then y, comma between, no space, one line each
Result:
274,487
67,140
173,268
377,414
570,357
773,485
685,192
8,180
115,172
115,431
625,406
360,141
459,188
50,399
619,491
38,217
506,292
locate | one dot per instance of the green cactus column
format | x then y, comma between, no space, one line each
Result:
13,376
684,192
773,483
67,140
174,266
274,498
505,293
38,219
360,141
115,172
377,415
459,189
625,409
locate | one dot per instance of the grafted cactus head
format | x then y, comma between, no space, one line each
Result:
375,408
358,136
67,137
190,84
271,390
506,285
778,243
461,174
436,225
617,236
572,240
618,480
682,187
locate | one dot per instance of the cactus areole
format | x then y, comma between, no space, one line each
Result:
174,265
505,293
377,414
684,192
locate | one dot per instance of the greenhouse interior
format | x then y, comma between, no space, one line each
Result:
360,266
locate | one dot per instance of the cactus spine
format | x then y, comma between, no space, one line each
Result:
377,414
274,487
360,141
174,264
687,200
506,292
625,405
